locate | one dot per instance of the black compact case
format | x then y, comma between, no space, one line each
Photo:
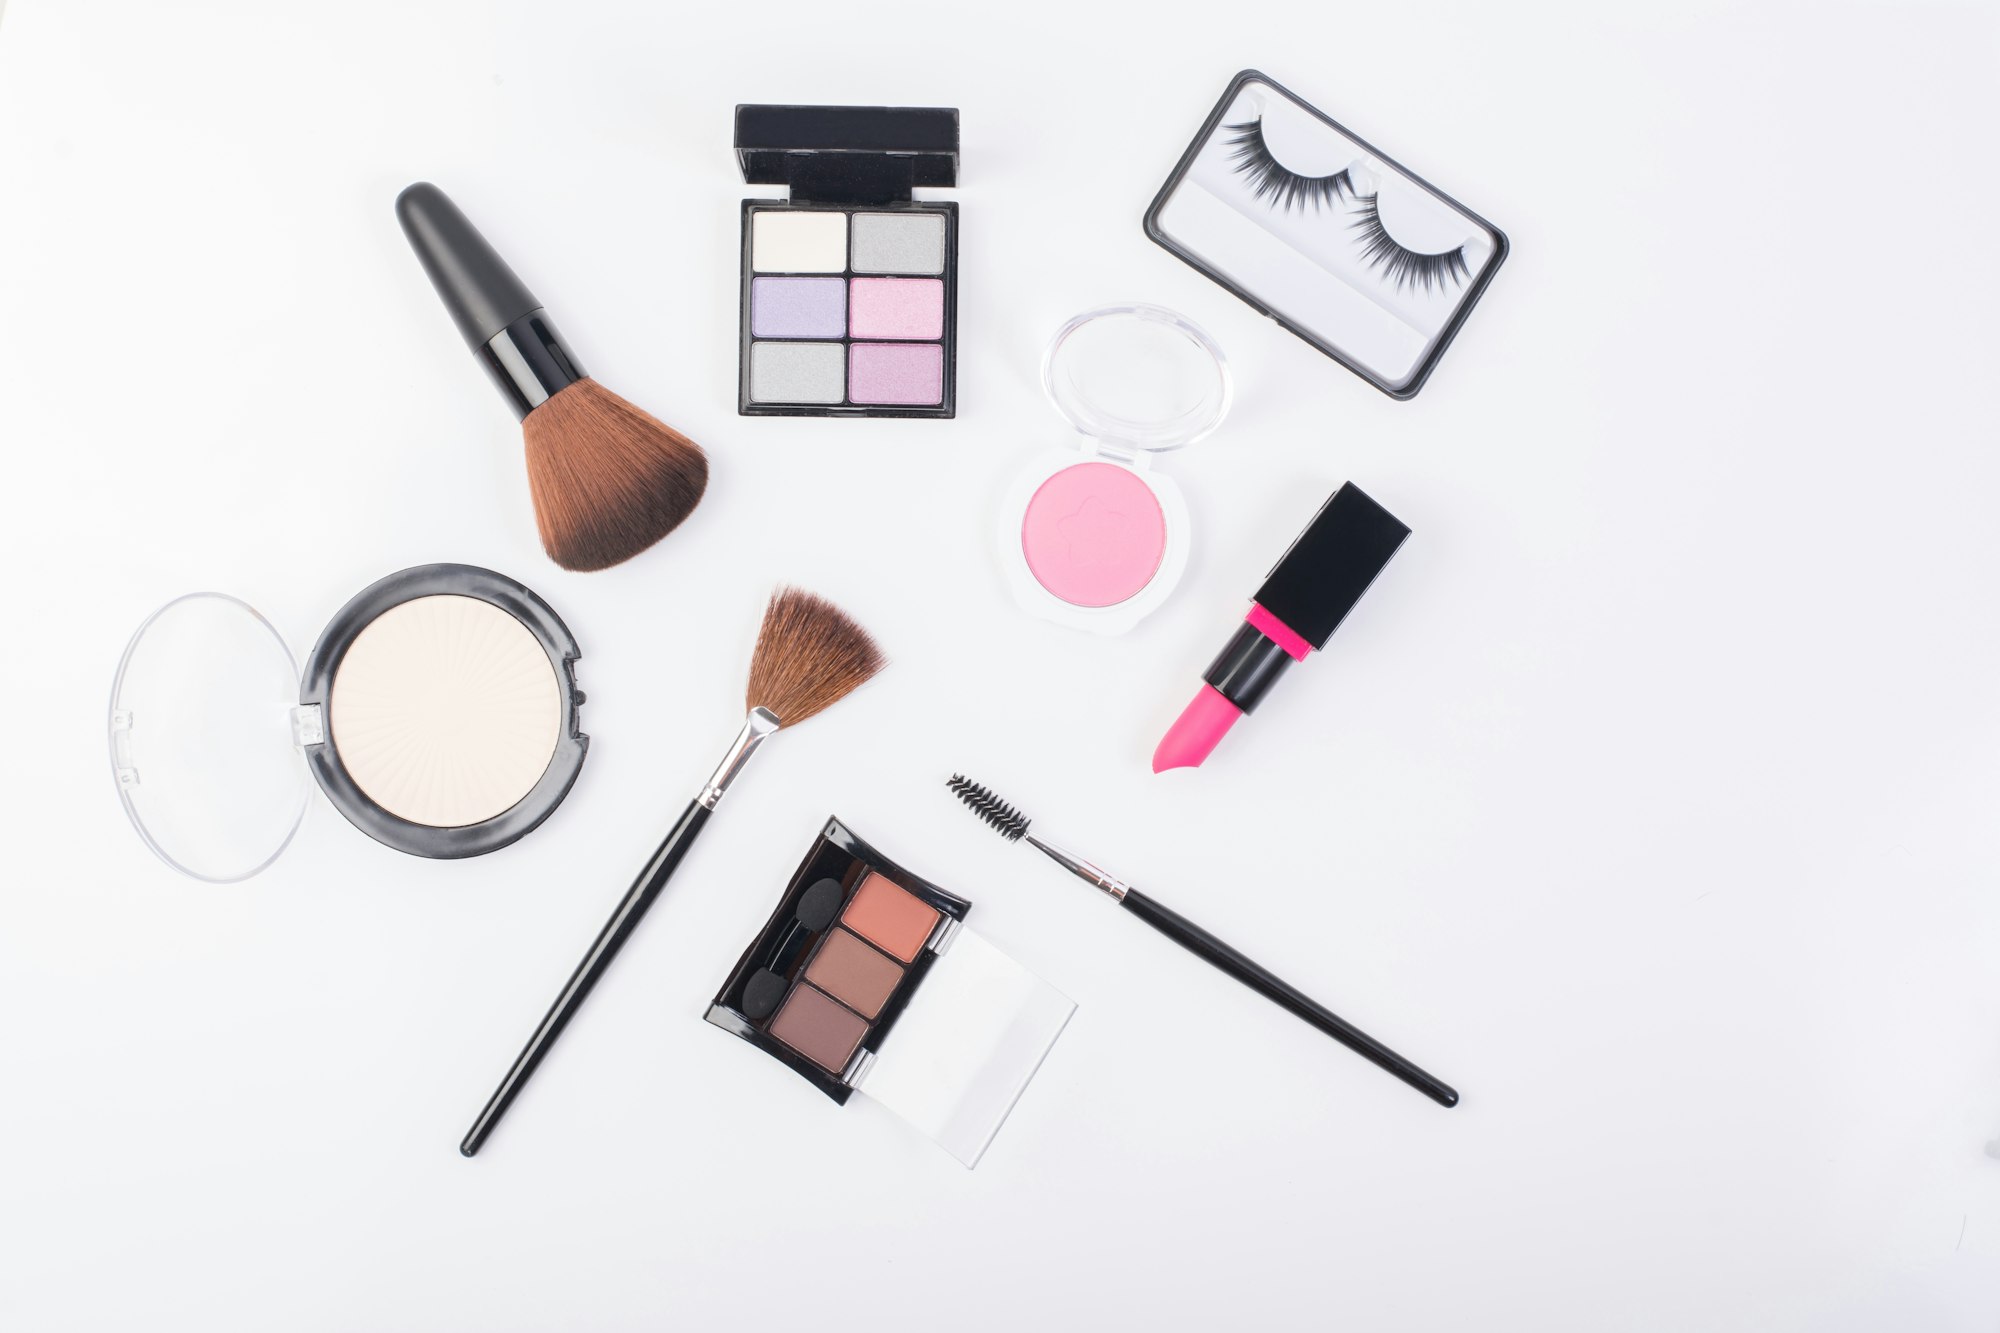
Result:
849,292
806,915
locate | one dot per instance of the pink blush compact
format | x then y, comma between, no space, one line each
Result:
1094,534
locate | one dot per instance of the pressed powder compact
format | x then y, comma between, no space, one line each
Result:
1092,535
1314,227
850,287
438,712
866,980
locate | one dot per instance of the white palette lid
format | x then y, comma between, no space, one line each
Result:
975,1032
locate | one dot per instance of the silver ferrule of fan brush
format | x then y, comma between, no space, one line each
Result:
1081,868
761,723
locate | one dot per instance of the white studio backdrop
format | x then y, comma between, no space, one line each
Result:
1649,797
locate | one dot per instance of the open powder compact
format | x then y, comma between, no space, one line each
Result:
865,980
438,712
1093,535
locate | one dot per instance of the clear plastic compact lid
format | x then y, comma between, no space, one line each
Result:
202,744
1137,377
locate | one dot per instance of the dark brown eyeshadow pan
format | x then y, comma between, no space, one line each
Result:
819,1029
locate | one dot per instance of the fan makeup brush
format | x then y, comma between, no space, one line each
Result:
608,480
809,656
1013,826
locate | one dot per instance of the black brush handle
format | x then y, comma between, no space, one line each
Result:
1204,945
499,318
631,909
482,294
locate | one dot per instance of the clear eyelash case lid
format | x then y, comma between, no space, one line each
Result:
1137,382
960,1034
1316,228
217,737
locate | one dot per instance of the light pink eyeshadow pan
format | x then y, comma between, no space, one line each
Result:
905,374
1094,534
896,308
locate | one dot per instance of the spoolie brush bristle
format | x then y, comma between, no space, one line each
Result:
809,657
1010,823
608,479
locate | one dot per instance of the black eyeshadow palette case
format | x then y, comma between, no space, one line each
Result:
864,979
850,286
1315,227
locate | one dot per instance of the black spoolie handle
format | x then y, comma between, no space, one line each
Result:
631,909
1199,942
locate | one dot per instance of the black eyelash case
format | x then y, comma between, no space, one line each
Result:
1321,231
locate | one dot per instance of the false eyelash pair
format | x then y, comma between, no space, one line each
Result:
1286,189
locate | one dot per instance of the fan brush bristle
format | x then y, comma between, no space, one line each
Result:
1010,823
809,657
608,479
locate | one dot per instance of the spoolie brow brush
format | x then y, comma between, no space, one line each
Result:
1012,825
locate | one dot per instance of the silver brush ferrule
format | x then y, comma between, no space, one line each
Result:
1081,868
761,723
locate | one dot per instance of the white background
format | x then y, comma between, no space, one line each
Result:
1649,797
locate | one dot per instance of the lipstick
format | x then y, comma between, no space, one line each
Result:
1304,598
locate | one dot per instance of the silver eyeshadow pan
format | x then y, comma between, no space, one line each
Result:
850,286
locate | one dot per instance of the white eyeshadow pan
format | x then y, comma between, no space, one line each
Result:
446,711
804,241
898,243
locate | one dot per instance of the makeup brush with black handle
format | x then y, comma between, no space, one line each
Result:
1013,826
608,479
809,656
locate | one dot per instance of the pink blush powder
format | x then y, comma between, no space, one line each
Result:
1094,534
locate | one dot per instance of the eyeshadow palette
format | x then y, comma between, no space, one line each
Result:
850,286
865,980
1314,227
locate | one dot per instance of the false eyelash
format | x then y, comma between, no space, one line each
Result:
1408,267
1272,180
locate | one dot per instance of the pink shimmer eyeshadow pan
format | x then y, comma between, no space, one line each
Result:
896,308
896,373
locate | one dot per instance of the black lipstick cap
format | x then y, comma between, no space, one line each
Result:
1317,582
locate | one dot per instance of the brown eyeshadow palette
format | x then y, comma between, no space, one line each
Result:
850,287
859,951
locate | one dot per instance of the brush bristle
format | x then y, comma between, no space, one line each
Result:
809,657
607,478
1010,823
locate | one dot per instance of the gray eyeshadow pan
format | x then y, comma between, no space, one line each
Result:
798,372
898,243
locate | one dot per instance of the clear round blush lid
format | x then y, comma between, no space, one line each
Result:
1137,380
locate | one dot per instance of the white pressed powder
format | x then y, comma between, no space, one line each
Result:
446,711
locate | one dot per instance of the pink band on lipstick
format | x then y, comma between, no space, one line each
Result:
1278,632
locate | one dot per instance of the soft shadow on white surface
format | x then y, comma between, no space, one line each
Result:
1648,797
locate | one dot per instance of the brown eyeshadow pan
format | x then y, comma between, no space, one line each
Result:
890,918
859,977
817,1028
